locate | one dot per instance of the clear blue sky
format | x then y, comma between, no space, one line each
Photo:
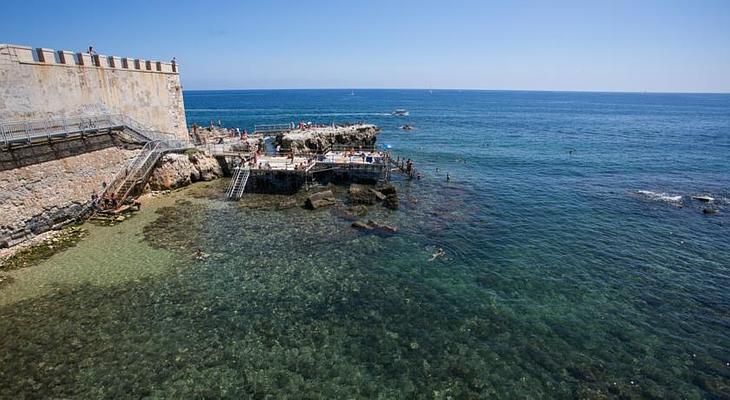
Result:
650,45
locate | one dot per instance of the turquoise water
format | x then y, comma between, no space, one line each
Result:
577,265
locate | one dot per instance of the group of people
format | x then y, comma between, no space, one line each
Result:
108,201
238,133
407,167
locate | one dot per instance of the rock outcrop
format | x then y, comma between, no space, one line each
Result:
360,194
320,200
316,139
177,170
391,197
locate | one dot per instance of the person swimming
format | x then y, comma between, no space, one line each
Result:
199,255
439,253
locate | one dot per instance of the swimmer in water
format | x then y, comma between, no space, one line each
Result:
199,255
448,178
439,253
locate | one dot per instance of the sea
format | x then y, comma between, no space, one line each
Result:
577,263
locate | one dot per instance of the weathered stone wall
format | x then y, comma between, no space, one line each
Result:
177,170
35,197
25,156
41,83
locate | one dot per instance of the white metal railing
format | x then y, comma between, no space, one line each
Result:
238,182
30,131
140,167
272,128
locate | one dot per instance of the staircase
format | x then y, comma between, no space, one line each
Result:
238,183
137,173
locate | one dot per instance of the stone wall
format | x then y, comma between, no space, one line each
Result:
28,155
42,83
33,198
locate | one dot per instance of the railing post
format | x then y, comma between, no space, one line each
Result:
27,132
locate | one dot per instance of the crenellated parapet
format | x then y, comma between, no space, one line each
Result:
47,85
44,56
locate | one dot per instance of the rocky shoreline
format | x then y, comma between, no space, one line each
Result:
318,139
177,170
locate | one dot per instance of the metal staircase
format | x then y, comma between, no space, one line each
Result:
137,173
238,183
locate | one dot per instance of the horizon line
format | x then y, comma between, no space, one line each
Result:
462,90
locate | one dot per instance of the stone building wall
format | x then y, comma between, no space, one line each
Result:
42,83
33,197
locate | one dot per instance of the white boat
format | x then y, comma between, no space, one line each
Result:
400,113
706,199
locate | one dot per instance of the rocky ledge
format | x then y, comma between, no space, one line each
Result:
176,170
320,138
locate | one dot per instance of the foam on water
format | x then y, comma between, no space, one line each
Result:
660,196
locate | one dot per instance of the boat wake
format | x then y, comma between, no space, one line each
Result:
660,196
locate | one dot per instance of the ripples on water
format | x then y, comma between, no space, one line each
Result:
560,280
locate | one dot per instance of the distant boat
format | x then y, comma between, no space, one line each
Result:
400,113
352,93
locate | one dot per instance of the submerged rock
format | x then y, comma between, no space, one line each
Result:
379,196
35,253
287,203
361,225
391,201
5,280
360,194
374,226
320,200
358,210
387,189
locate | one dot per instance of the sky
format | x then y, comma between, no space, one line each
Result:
586,45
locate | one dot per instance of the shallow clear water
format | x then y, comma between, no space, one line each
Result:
571,268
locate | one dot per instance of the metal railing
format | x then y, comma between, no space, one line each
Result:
137,172
273,128
43,130
347,147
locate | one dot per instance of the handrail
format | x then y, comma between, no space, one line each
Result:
271,128
26,131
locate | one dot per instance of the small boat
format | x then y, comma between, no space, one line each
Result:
706,199
400,113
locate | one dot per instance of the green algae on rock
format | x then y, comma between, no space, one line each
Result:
169,231
38,252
